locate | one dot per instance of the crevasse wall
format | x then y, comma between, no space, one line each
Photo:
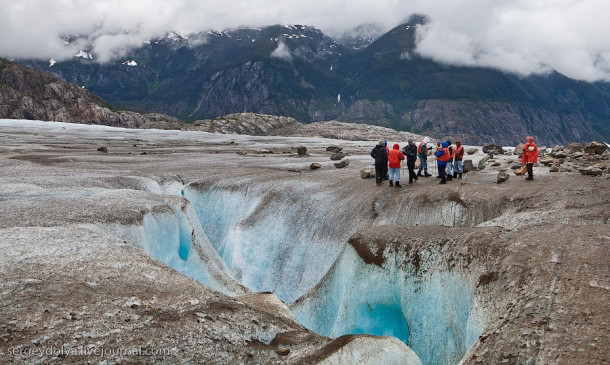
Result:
434,313
173,235
275,241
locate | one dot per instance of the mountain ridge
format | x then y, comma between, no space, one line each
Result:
299,72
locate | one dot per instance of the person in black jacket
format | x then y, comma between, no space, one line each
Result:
410,151
380,155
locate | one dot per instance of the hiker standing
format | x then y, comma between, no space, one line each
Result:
459,156
449,167
422,153
381,159
442,156
410,150
438,148
385,167
529,157
394,158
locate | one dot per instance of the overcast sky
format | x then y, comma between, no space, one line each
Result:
520,36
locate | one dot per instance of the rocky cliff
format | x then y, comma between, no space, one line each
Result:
27,93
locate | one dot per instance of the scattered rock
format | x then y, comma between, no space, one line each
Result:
591,170
484,160
283,351
559,154
103,149
557,148
342,164
302,150
334,149
367,173
577,155
518,149
493,148
467,165
315,166
502,177
472,151
595,148
337,156
496,164
574,147
554,168
242,152
547,160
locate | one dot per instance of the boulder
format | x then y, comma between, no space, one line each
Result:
595,148
481,165
367,173
502,177
242,152
302,150
342,164
315,166
559,154
557,148
467,165
334,149
574,147
337,156
547,160
103,149
518,149
493,148
541,151
591,170
577,155
472,151
554,168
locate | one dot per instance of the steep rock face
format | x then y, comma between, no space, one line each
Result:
479,122
31,94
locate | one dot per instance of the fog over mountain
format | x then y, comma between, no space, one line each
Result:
518,36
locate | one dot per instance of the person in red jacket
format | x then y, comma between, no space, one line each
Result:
458,167
529,157
394,159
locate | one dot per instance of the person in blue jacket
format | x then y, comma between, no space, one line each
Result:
442,157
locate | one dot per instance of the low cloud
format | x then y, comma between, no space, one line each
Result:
282,52
517,36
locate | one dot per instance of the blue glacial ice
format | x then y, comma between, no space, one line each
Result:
267,240
435,313
270,241
172,234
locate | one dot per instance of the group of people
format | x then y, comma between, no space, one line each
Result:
448,156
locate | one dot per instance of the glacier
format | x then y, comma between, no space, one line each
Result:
420,275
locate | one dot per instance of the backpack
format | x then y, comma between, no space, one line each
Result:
419,147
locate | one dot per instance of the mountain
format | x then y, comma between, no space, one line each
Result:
299,72
26,93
